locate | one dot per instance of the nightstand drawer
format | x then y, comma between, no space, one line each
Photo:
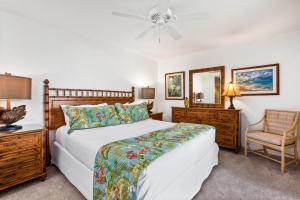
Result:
156,116
19,142
14,159
23,172
22,155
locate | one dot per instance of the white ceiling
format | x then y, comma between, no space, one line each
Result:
224,22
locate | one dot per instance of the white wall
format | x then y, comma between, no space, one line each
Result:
31,48
283,49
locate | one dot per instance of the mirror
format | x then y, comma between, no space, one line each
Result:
206,87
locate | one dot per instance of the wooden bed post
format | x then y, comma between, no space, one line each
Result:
46,120
133,93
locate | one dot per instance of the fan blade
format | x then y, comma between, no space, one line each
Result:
142,34
119,14
202,15
172,32
163,5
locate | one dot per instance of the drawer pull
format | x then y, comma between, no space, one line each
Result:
10,145
11,160
10,175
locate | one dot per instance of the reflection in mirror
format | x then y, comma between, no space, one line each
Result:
207,87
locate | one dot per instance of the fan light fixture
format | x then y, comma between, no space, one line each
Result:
161,16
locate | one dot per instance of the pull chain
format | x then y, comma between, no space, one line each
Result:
159,34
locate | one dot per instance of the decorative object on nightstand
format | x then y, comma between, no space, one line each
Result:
22,155
13,87
156,116
149,94
231,90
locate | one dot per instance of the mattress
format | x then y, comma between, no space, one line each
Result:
84,144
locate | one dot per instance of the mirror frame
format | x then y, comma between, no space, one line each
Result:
207,105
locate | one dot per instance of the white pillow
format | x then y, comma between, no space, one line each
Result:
67,120
137,102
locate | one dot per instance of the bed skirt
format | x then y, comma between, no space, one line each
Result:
186,186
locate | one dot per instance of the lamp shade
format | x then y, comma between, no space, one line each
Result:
231,90
148,93
14,87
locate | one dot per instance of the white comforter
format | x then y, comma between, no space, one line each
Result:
84,144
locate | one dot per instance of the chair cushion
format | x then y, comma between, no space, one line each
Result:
269,138
276,121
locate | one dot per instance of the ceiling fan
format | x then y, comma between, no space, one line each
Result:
161,16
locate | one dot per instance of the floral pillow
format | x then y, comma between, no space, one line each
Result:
132,113
91,117
67,120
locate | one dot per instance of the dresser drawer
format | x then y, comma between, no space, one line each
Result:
14,159
225,121
19,142
206,116
225,140
225,132
225,116
179,112
178,115
224,128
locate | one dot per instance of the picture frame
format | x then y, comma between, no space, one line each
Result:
175,86
257,80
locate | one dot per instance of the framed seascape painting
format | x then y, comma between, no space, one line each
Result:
175,86
258,80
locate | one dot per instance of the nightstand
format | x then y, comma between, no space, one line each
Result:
22,155
156,116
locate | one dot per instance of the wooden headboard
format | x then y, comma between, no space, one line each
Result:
54,97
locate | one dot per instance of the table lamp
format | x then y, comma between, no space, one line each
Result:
13,87
149,94
231,90
200,96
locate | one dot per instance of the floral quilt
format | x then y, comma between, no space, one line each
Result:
119,164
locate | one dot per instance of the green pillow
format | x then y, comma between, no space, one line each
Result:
132,113
91,117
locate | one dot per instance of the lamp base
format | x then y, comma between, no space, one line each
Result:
149,107
231,107
9,128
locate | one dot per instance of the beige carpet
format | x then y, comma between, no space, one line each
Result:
236,177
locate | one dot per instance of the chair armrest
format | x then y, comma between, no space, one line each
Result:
256,130
261,120
292,128
285,131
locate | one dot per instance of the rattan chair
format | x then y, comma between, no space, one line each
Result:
278,132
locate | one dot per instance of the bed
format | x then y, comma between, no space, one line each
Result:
178,174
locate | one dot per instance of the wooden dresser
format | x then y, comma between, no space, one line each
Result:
226,122
22,155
